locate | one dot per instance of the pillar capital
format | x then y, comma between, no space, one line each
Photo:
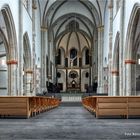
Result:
12,62
115,72
100,28
110,6
34,6
29,71
130,61
43,28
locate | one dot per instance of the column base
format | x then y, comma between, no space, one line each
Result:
100,90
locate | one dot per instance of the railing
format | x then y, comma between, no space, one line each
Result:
71,97
102,106
25,106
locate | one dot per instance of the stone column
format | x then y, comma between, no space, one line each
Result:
12,75
130,77
110,6
29,82
94,60
43,57
100,59
115,83
54,66
20,51
80,83
31,74
66,79
49,59
121,48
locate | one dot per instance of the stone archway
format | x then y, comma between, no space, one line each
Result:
8,33
131,49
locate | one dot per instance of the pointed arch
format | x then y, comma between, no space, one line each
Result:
2,35
11,32
131,32
115,65
27,50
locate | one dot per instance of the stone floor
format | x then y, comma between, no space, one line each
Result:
69,123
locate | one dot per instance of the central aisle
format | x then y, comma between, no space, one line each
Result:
68,123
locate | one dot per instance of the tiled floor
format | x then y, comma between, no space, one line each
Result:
69,123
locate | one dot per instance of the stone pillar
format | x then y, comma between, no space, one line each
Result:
130,77
43,57
90,76
54,68
94,60
66,79
29,82
31,74
121,48
115,83
100,59
110,6
20,51
49,59
12,75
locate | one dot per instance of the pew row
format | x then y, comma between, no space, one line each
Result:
109,106
25,106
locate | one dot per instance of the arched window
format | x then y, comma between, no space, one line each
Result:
87,57
87,75
58,74
73,56
59,57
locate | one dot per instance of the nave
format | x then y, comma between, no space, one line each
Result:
69,123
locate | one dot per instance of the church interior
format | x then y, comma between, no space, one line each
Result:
60,58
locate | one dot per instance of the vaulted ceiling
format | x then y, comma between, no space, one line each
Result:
66,16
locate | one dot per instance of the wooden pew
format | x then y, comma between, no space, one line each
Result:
110,106
133,106
25,106
15,106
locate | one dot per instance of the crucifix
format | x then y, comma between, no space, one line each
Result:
71,61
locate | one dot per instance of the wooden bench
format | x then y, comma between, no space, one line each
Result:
15,106
25,106
133,106
111,106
